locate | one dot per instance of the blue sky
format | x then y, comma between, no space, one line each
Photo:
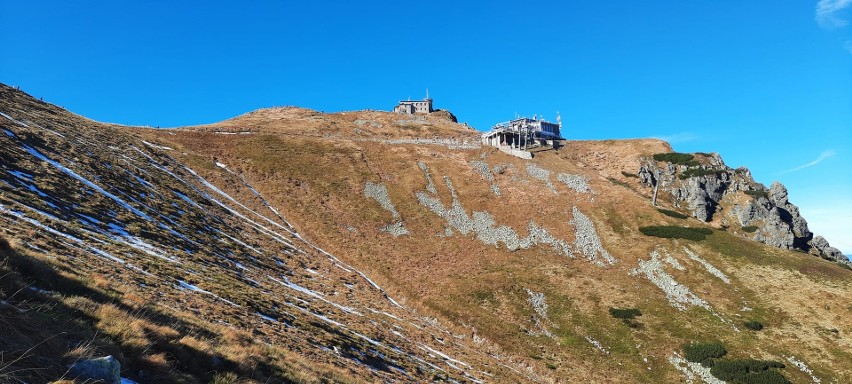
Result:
767,84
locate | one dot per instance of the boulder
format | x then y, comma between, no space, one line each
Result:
106,369
821,247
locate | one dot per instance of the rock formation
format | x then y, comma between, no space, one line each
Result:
712,191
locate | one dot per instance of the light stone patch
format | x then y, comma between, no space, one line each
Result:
673,262
537,301
692,370
483,226
709,267
587,240
430,185
804,368
448,143
576,182
542,174
678,295
597,344
396,229
379,193
483,170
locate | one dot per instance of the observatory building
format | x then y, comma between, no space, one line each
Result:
410,107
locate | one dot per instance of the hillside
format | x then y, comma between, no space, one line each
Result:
288,245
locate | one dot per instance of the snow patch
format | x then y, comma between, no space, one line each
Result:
21,123
157,146
85,181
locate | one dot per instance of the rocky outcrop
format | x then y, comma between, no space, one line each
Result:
445,114
712,191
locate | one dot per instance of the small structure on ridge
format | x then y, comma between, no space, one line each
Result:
410,107
524,133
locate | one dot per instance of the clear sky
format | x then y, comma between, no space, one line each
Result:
768,84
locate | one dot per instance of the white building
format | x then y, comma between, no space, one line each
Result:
523,133
418,106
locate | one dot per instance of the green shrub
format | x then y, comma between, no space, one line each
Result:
692,163
627,316
670,213
627,174
753,325
695,172
750,228
757,193
676,232
674,157
625,313
703,352
748,371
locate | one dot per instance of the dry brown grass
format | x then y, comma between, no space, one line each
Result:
310,166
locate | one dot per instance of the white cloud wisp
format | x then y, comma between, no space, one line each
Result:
680,137
822,156
827,13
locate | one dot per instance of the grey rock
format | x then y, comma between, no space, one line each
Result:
779,222
483,170
821,247
106,369
646,176
775,231
576,182
778,194
542,174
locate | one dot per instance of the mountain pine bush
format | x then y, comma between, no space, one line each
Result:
703,352
670,213
676,232
675,158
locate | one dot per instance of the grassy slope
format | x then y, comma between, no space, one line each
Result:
306,165
482,289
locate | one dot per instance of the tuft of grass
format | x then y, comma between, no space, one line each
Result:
670,213
750,228
674,157
225,378
627,174
676,232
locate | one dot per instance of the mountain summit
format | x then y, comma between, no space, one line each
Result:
289,245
